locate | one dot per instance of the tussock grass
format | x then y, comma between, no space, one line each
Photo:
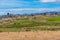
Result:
36,23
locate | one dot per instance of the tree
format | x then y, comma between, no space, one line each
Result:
44,13
56,13
32,14
8,14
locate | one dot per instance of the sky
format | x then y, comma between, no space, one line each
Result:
28,6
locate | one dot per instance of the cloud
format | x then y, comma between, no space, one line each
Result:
2,13
26,4
35,9
28,10
49,0
12,3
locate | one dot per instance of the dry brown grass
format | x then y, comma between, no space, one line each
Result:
38,35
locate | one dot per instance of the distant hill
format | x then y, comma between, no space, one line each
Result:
32,14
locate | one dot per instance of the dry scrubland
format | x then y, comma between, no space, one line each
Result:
37,35
30,28
30,23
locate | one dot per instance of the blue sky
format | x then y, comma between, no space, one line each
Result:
28,6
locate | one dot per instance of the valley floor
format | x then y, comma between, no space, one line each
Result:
30,35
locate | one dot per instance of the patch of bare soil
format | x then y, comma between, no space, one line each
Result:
37,35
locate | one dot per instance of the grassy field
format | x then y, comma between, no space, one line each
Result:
32,23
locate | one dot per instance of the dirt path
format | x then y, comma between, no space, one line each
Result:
39,35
